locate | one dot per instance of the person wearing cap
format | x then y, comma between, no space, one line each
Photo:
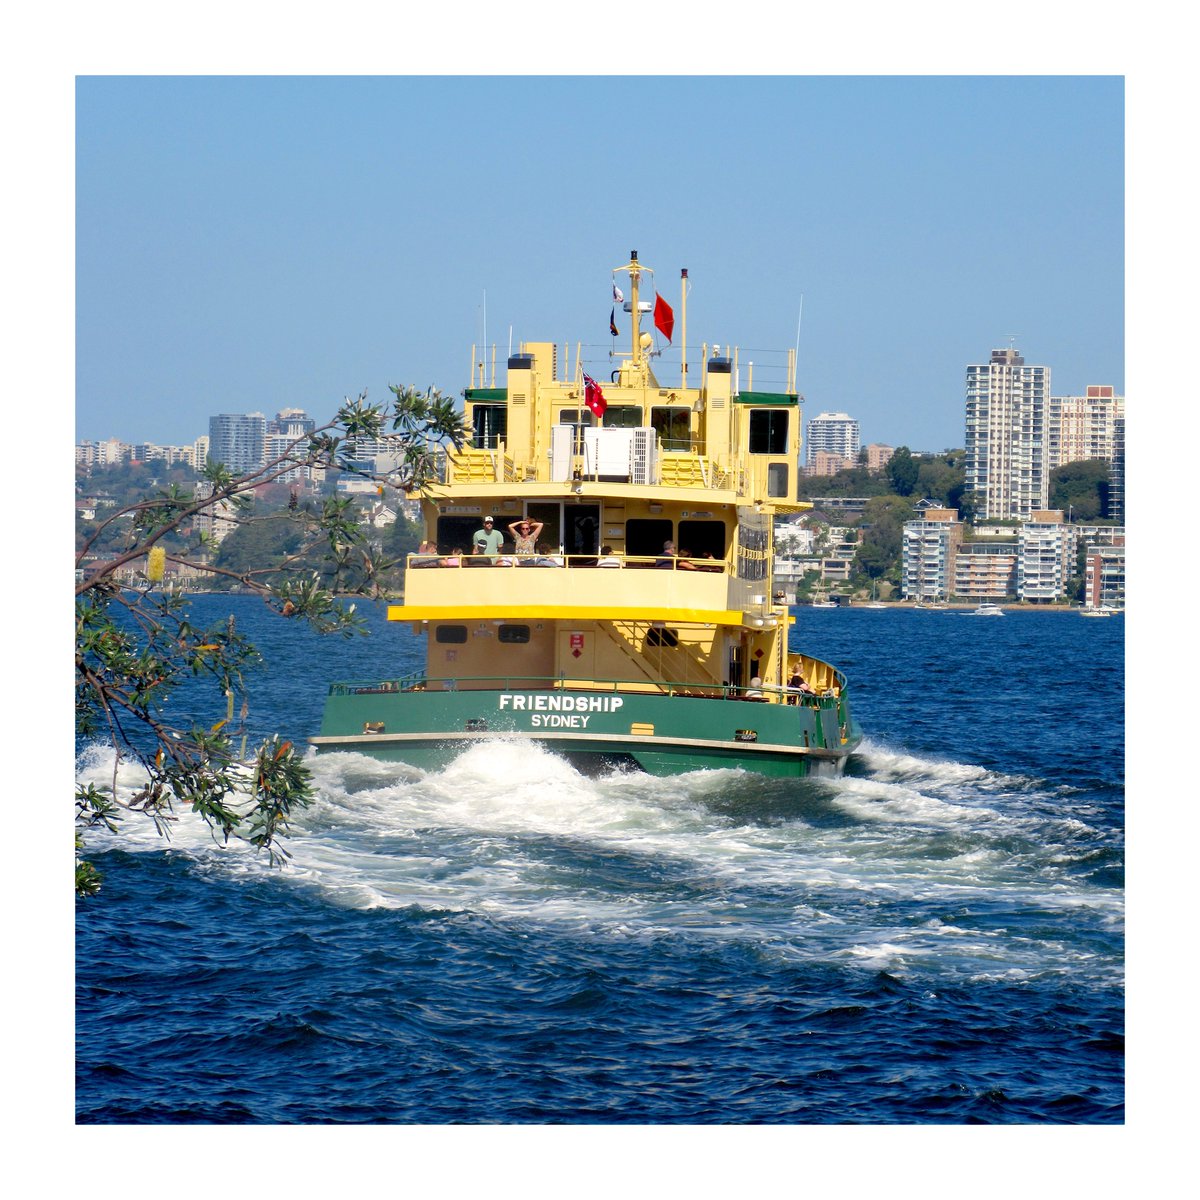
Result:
487,540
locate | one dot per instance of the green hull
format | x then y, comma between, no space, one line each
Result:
663,734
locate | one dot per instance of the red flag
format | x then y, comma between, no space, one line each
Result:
593,397
664,318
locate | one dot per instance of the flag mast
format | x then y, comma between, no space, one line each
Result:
683,281
634,275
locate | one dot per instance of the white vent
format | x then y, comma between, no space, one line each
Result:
562,449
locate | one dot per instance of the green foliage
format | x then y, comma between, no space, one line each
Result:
1081,488
902,471
134,646
882,529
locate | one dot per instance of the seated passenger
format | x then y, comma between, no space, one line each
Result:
797,687
454,560
709,562
608,558
667,561
754,691
545,558
426,556
684,562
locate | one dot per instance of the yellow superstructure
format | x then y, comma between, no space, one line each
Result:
705,467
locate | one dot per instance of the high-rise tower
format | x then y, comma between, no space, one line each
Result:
1006,435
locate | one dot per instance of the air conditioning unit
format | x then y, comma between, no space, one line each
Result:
643,453
606,454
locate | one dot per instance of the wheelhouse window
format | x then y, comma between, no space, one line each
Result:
489,425
673,426
451,634
623,416
579,419
768,431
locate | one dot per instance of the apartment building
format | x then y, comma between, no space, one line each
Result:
985,570
1104,577
238,440
1006,412
1083,427
832,433
927,554
1045,557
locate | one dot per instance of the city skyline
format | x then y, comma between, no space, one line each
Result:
253,243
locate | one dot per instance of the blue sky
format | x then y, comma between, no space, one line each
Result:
252,243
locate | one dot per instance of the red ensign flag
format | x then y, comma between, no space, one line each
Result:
664,318
593,397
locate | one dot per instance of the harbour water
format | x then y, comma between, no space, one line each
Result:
936,937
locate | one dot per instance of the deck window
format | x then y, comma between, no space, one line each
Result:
703,537
489,425
623,416
777,479
451,634
511,635
645,536
768,431
673,426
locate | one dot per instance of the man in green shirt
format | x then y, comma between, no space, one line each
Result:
487,540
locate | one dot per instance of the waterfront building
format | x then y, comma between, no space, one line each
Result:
1006,409
985,570
1045,556
927,554
1104,577
833,433
238,440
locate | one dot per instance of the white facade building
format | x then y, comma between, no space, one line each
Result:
1006,417
927,554
1045,556
238,440
834,433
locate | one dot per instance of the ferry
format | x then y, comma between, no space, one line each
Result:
596,576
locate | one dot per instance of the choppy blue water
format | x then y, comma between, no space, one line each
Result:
935,937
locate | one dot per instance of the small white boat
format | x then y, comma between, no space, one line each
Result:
986,610
1096,612
823,604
